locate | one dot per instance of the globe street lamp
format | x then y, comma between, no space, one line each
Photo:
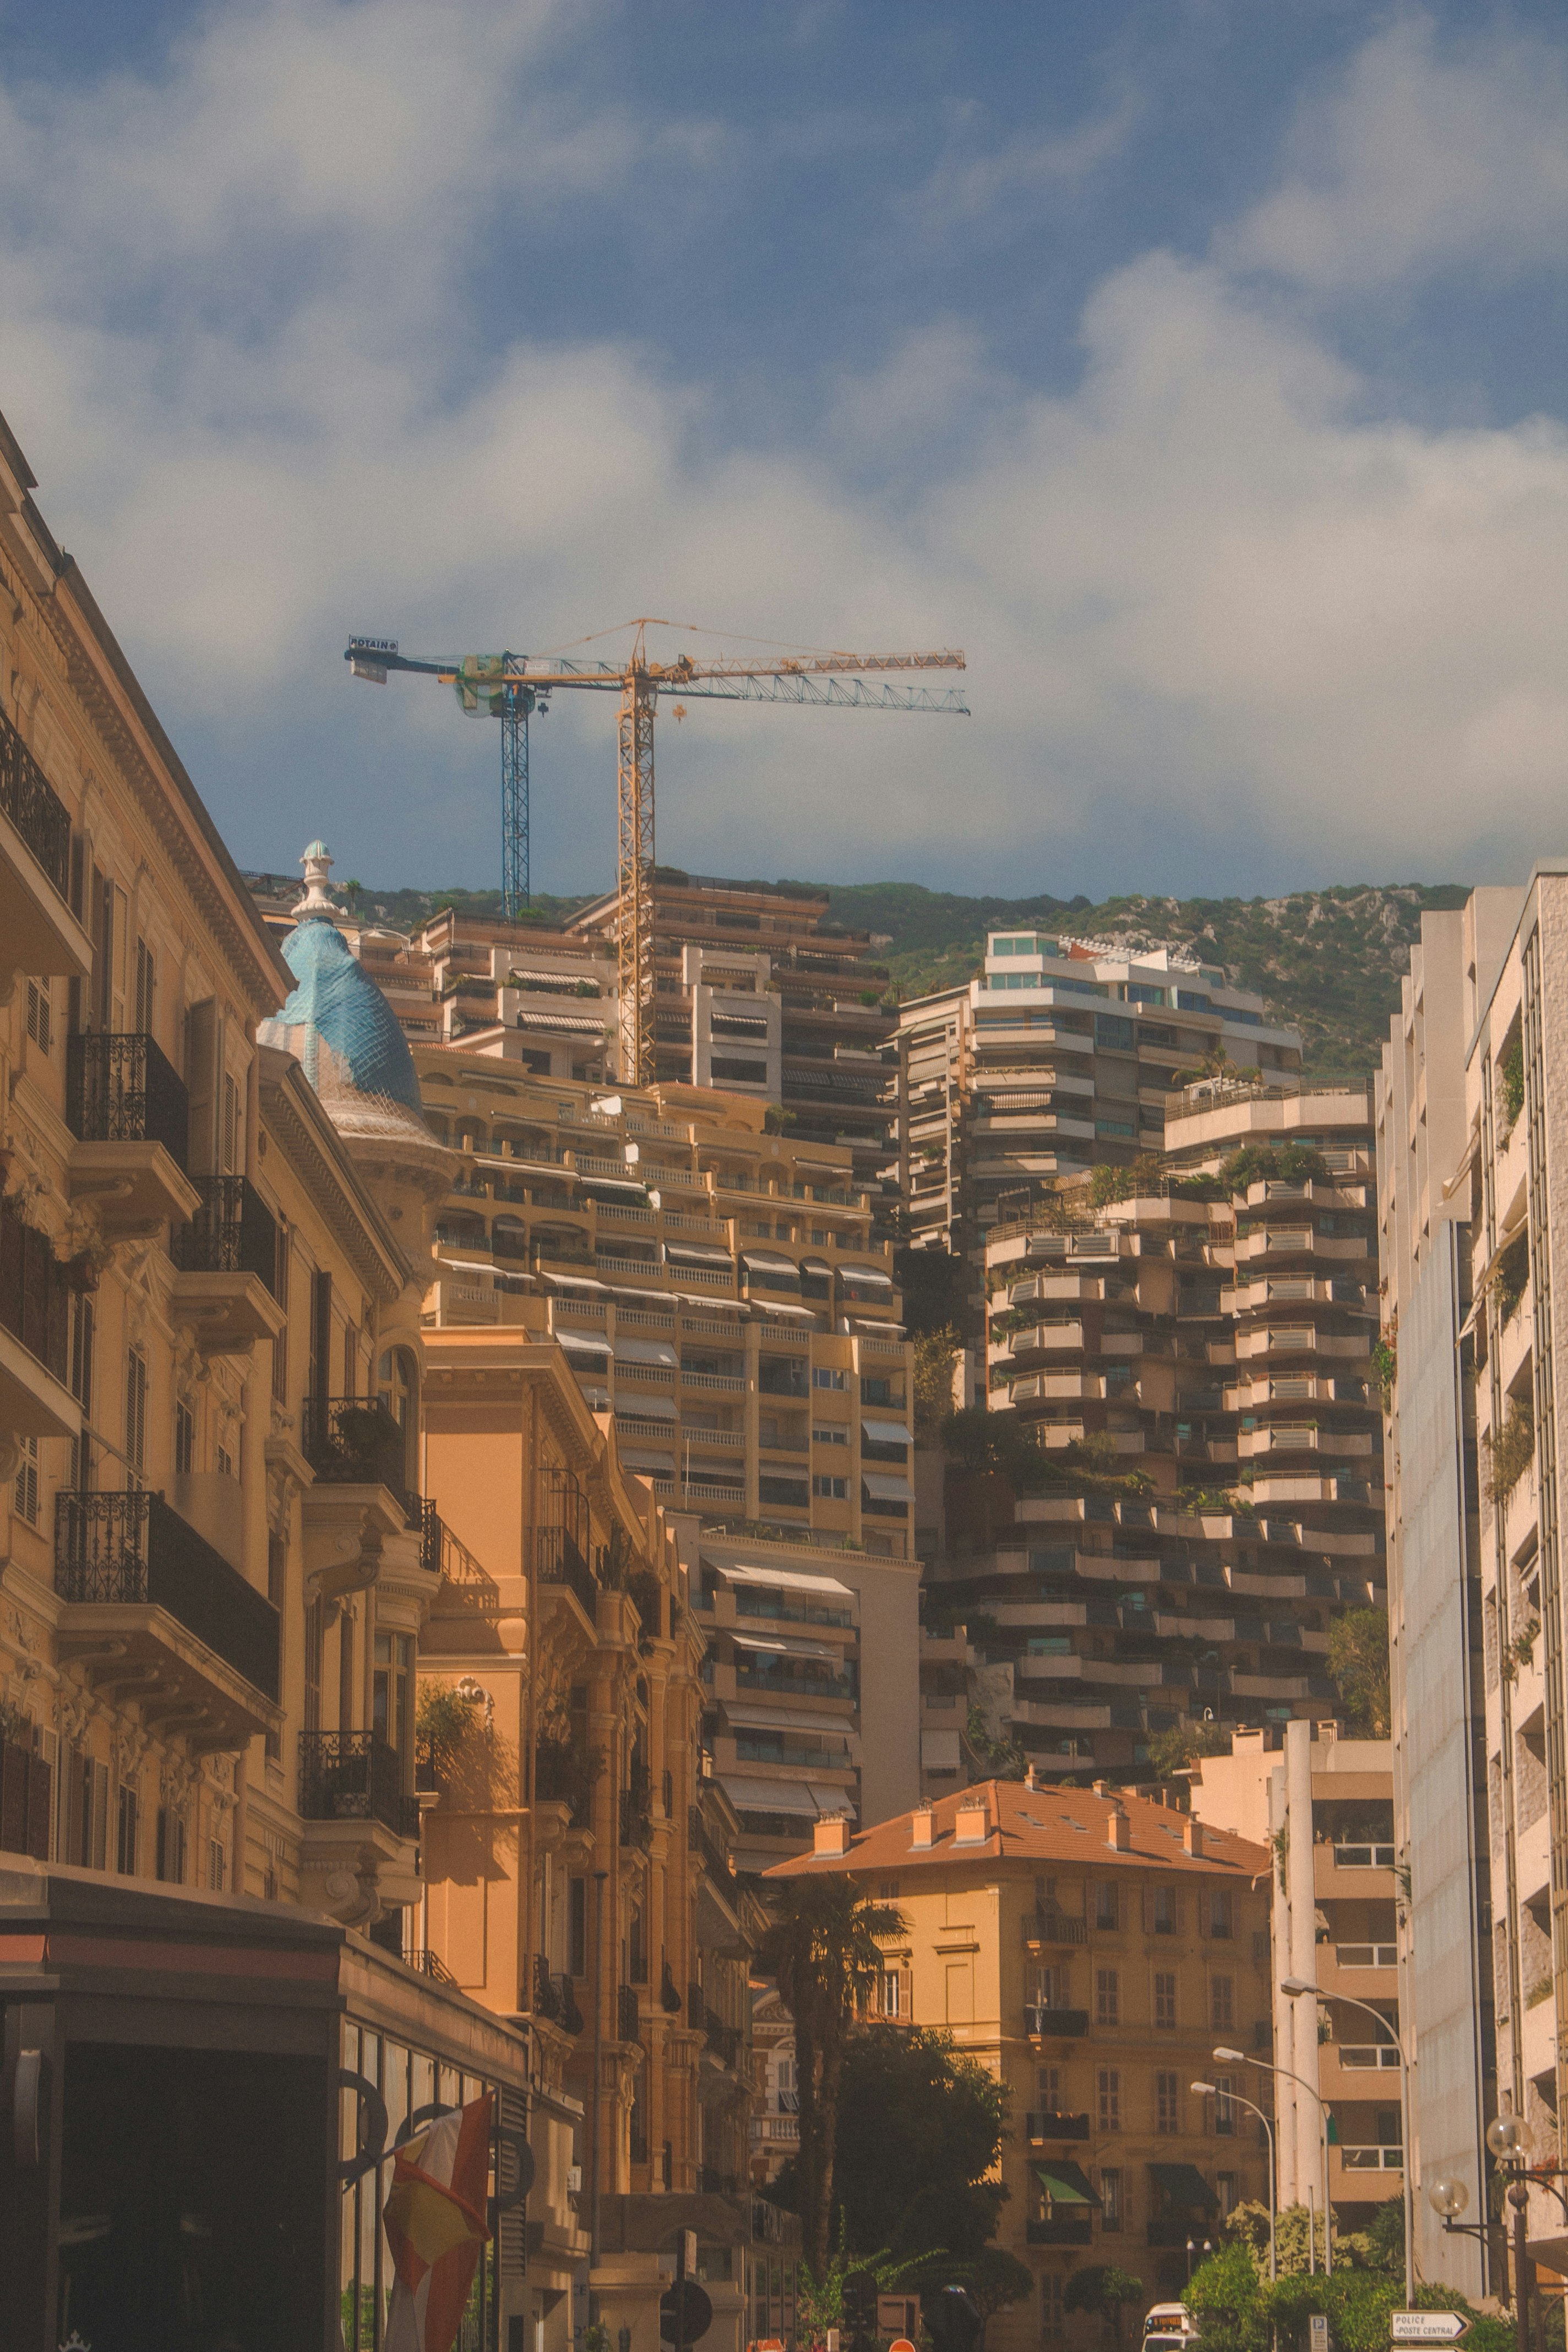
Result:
1212,2091
1298,1988
1244,2058
1506,2139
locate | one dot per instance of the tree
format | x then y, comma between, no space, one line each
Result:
933,1381
822,1950
1358,1664
920,2127
1102,2287
1172,1751
995,2279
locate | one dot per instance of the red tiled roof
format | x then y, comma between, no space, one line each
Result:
1040,1825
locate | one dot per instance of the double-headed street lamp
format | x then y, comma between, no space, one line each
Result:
1213,2090
1244,2058
1300,1987
1448,2197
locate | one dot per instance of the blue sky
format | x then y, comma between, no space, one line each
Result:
1198,367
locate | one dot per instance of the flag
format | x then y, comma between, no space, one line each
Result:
435,2219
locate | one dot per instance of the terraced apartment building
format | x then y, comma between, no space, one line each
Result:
1054,1059
1216,1339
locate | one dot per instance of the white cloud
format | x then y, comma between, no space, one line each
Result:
967,186
1221,626
1426,155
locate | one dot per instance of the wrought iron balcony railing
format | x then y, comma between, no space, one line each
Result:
627,2025
134,1548
35,808
233,1232
354,1776
356,1442
120,1088
559,1561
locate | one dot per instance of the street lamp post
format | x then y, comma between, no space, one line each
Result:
1299,1987
1243,2058
1211,2091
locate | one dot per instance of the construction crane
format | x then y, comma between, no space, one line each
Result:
513,685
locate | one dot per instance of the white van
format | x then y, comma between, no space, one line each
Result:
1170,2327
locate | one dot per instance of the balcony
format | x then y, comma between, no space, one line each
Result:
227,1285
1042,2022
34,1305
559,1561
40,933
627,2024
354,1776
554,1998
130,1113
1046,2124
1046,1926
155,1609
355,1442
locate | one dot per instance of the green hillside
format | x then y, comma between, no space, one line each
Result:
1329,961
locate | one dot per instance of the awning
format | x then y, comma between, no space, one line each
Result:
765,1718
790,1580
871,1275
794,1314
1065,2184
790,1646
1184,2184
617,1186
939,1751
643,1457
565,979
577,1343
885,1433
833,1800
692,1254
576,1282
887,1490
572,1021
645,1351
817,1266
768,1796
770,1262
641,1408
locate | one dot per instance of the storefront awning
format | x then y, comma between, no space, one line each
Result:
768,1796
789,1646
1184,2184
789,1580
887,1490
645,1351
885,1433
1065,2184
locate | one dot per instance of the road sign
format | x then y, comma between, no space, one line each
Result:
1318,2331
901,2344
694,2307
1427,2327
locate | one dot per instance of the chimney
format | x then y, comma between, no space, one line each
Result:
1101,1788
1193,1837
832,1835
973,1824
1119,1829
1030,1782
922,1828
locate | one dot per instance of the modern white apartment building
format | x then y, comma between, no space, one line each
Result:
1054,1059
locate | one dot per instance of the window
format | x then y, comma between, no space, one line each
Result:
1165,1999
823,1377
1107,1997
1107,1905
891,2004
224,1460
577,1927
1167,2102
170,1855
145,977
184,1440
28,1481
392,1690
281,1344
1220,1912
887,1890
829,1436
216,1859
230,1125
1109,2199
1048,1986
38,1013
1164,1910
1109,2088
1224,2186
136,1410
126,1832
832,1490
81,1353
1049,2087
1225,2105
315,1636
1222,2003
1052,2307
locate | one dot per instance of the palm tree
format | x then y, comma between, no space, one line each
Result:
822,1950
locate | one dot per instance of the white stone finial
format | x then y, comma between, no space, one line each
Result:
317,862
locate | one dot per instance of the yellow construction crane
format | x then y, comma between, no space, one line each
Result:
495,681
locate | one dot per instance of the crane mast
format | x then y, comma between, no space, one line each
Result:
496,681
